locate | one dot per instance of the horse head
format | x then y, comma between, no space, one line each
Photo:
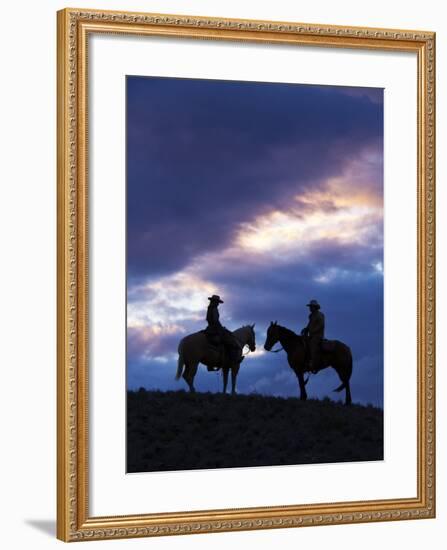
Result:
251,338
246,336
272,336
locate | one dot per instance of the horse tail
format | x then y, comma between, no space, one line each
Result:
349,370
348,373
180,361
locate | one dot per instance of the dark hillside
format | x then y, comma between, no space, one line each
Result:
176,430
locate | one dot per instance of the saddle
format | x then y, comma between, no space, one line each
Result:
216,344
214,340
328,345
325,346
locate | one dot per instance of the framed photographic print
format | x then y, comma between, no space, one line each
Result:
245,274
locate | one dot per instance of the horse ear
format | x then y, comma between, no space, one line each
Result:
253,325
275,323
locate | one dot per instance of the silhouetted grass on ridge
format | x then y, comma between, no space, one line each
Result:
178,430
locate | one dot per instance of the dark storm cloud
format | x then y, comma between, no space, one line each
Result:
204,156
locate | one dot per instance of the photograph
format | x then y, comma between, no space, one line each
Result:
254,273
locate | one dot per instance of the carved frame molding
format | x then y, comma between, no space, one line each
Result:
73,521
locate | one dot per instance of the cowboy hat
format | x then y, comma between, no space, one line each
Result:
313,303
215,298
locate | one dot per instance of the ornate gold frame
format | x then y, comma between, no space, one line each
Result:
73,519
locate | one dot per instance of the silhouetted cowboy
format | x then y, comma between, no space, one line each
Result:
314,331
219,334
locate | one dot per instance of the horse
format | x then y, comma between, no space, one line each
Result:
194,349
339,357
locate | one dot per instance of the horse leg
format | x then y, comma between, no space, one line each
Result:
344,375
225,378
189,374
302,383
234,371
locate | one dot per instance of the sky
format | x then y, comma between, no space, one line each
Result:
269,195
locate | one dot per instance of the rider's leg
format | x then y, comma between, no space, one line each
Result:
314,355
215,340
232,347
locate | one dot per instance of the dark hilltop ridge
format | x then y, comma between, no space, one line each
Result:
177,430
